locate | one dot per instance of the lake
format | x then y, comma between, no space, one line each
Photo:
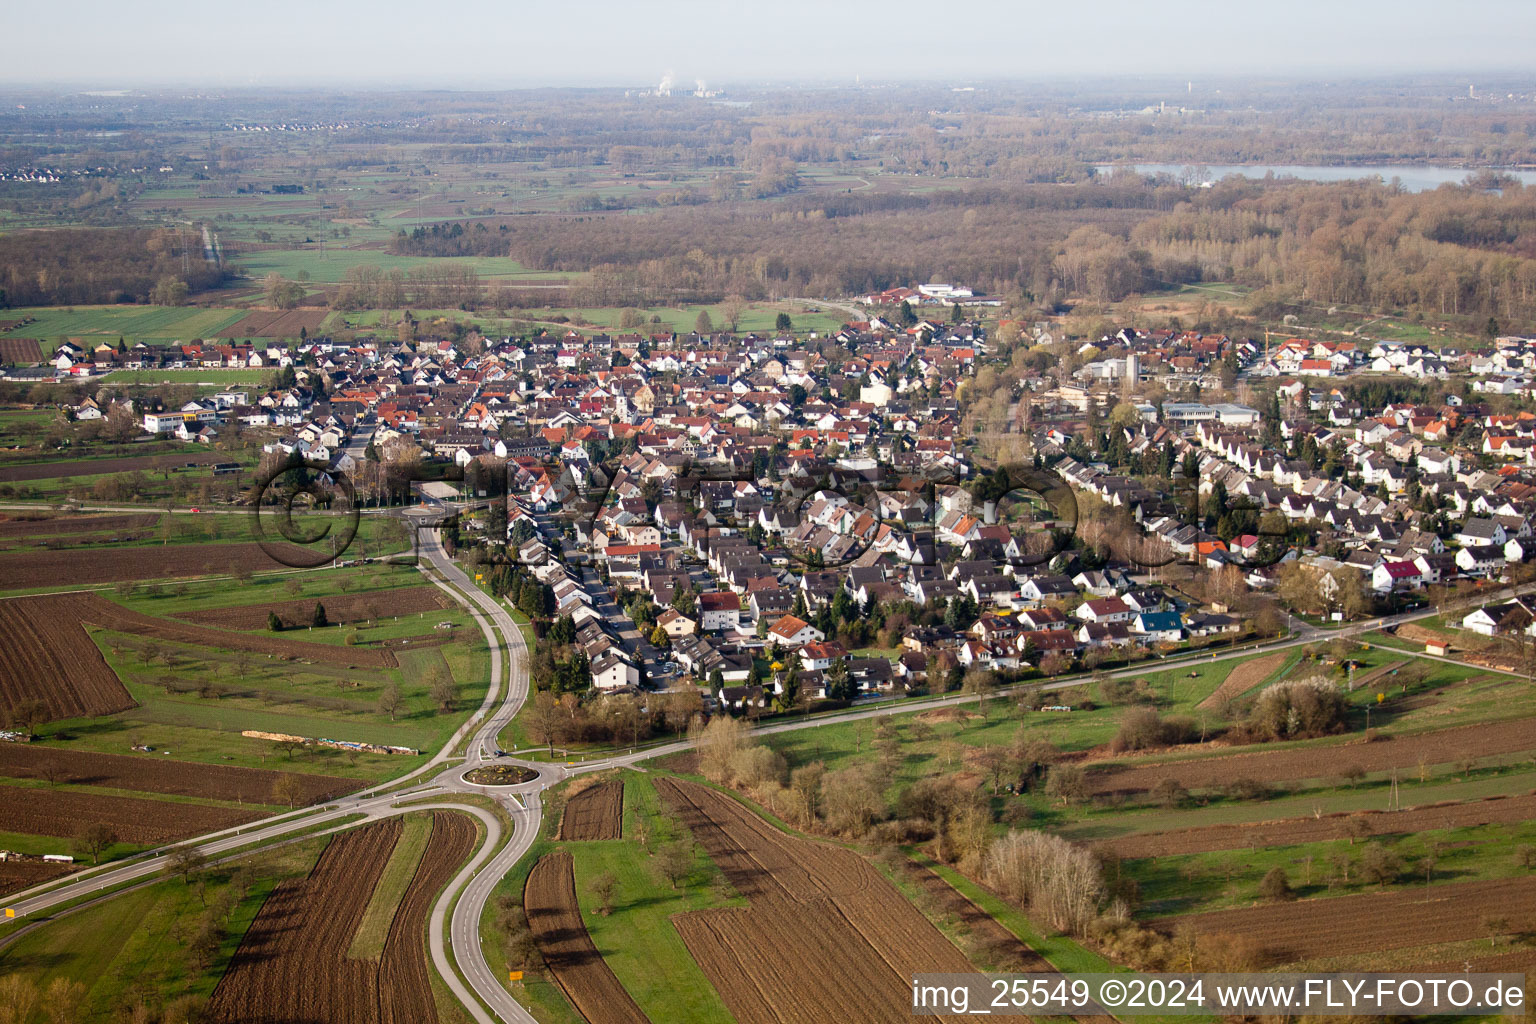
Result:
1414,179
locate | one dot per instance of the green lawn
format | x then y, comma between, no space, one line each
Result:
368,940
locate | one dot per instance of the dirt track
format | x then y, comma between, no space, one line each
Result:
151,773
292,967
596,812
846,936
338,608
1276,763
60,812
1290,831
549,898
1403,917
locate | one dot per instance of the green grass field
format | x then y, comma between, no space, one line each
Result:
330,265
202,376
97,324
368,940
137,947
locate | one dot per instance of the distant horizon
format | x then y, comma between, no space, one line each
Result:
484,46
1211,84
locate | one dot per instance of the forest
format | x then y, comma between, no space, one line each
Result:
103,265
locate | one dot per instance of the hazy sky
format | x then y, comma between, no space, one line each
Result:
482,43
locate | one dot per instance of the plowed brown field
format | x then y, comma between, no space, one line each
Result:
597,812
275,324
845,935
1413,915
94,467
292,967
150,773
1290,831
1279,763
47,655
16,875
549,898
1244,678
338,608
98,611
28,569
60,812
52,526
20,350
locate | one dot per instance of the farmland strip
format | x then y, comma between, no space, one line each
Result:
1311,761
549,897
596,812
55,812
152,774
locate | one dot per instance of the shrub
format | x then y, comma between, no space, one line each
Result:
1170,793
1380,864
1244,788
1142,728
1275,885
1298,708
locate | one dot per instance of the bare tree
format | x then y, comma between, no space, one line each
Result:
390,700
674,861
286,790
93,840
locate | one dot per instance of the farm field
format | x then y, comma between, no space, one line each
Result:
95,324
549,899
81,467
49,657
160,948
16,875
65,813
27,526
33,569
122,678
845,932
1312,930
635,932
292,963
20,351
1245,677
338,608
1307,760
330,266
152,773
594,813
277,324
1291,831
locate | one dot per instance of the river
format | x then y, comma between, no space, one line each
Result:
1413,178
